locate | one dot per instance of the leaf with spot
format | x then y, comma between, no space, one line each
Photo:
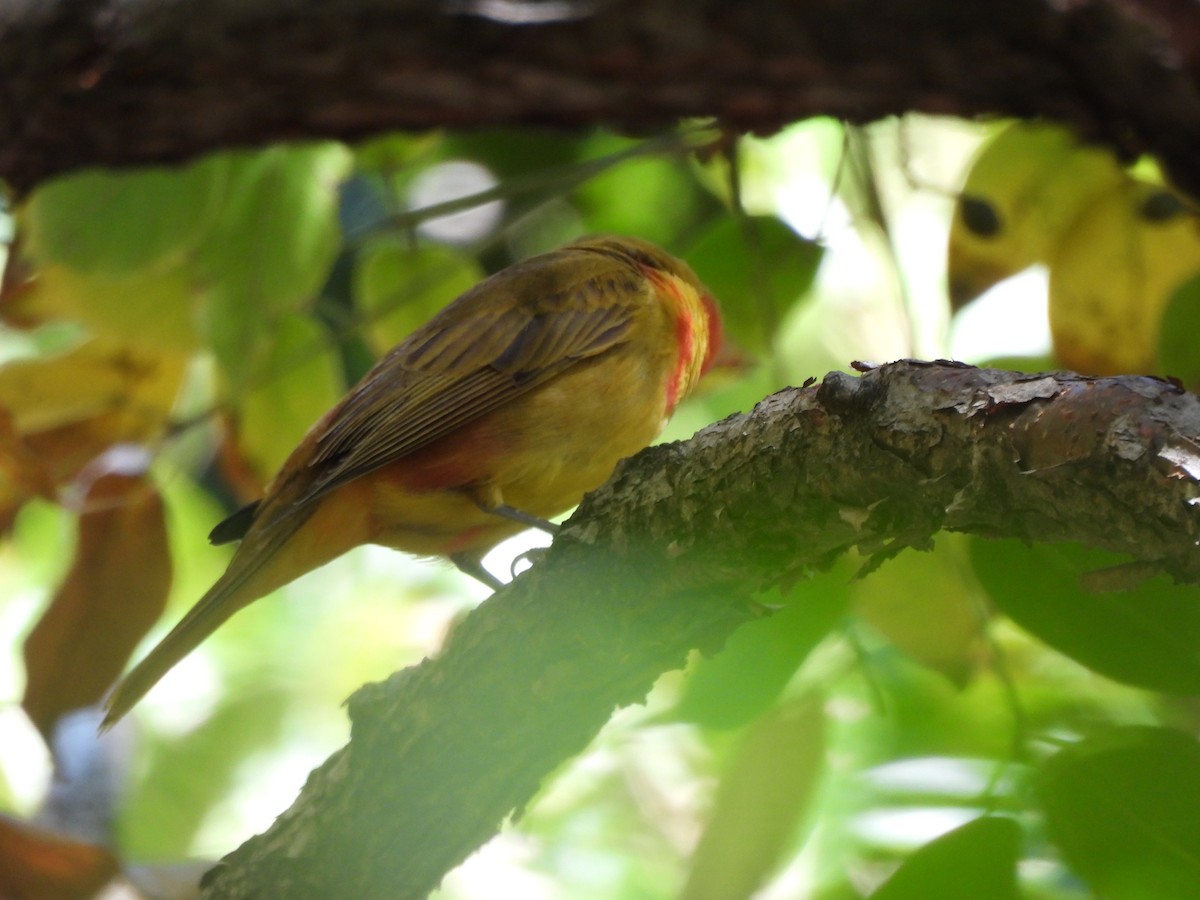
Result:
1113,274
1025,190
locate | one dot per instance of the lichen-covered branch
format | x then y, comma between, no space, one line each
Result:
126,82
666,557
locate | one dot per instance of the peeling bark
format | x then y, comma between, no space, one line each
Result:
666,557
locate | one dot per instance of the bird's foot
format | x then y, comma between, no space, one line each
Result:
470,565
531,556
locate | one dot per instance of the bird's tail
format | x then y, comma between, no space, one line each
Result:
251,574
286,539
202,620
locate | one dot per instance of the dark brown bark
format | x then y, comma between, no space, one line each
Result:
666,557
118,82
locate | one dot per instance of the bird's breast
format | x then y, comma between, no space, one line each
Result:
540,453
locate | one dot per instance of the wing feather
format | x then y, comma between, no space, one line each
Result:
471,360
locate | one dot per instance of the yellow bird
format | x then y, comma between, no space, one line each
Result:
501,411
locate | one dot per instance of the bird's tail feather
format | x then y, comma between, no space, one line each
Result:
201,621
230,593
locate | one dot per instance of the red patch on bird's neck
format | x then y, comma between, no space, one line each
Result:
685,339
685,332
716,332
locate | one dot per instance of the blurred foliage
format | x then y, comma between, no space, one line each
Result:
983,854
986,719
1118,245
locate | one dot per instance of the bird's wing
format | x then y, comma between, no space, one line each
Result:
473,359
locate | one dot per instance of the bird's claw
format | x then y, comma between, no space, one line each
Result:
532,556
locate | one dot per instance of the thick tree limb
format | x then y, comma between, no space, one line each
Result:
665,558
122,82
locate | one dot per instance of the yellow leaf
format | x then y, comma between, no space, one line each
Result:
923,603
153,311
1112,275
59,413
1025,188
97,377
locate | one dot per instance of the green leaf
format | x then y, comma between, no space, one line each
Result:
745,678
1148,636
1021,363
651,196
1122,807
513,151
765,790
238,333
758,268
976,860
155,311
298,381
396,150
119,223
277,233
398,288
270,246
927,604
1179,335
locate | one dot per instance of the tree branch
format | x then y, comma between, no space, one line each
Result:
126,82
665,558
